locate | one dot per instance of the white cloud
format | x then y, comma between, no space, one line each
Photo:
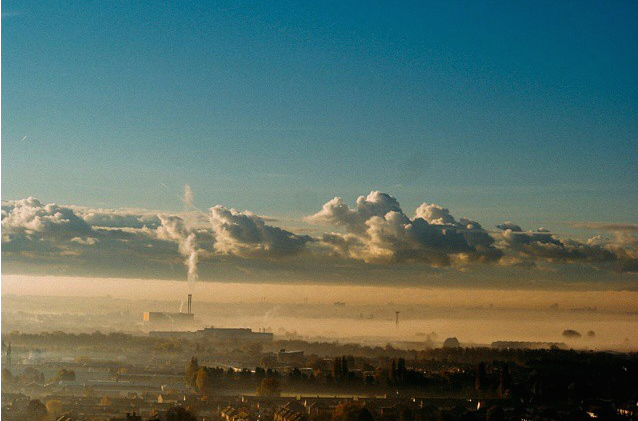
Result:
374,231
435,214
509,225
28,217
245,234
378,231
118,218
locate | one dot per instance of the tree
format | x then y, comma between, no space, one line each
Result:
401,370
344,367
192,371
365,415
65,374
504,380
260,373
495,413
6,375
203,381
336,369
35,411
269,387
397,373
481,377
406,414
351,411
88,391
54,408
30,374
572,334
295,374
177,413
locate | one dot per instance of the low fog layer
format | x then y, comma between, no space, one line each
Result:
315,312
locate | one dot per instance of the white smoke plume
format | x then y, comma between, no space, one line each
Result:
184,232
188,197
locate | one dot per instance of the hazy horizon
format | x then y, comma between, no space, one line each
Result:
428,315
171,290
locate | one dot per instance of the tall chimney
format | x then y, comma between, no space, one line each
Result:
190,299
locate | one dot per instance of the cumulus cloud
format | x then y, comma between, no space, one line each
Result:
509,225
118,218
28,218
375,230
435,214
378,231
38,233
529,248
245,234
335,212
28,226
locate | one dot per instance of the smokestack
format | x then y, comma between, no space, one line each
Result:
190,300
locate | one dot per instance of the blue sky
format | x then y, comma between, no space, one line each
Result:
524,111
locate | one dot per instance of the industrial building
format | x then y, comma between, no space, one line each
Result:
170,321
290,357
217,334
163,317
166,318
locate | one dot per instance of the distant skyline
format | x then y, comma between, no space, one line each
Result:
497,111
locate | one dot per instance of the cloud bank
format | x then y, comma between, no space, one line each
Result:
378,231
375,232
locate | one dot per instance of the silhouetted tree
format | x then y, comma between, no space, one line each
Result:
406,414
344,367
191,372
177,413
495,413
481,377
340,369
393,372
260,373
6,375
54,407
572,334
269,387
336,369
365,415
35,411
504,382
203,381
401,370
351,411
295,374
65,374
